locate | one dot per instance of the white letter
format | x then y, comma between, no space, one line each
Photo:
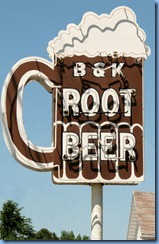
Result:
127,93
86,146
95,103
79,69
105,98
127,143
97,71
70,145
116,70
71,98
106,144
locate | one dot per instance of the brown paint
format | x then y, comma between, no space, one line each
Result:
63,75
11,105
133,79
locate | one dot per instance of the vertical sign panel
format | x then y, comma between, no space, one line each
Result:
99,123
96,83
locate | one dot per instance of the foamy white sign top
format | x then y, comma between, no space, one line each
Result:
101,35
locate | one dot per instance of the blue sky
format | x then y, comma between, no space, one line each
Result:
26,27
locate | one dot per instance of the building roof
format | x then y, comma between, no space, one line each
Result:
142,216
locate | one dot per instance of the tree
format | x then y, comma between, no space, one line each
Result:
85,238
78,238
67,235
14,226
45,234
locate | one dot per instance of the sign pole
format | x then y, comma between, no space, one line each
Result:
97,212
100,126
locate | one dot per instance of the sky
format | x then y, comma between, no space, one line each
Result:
26,27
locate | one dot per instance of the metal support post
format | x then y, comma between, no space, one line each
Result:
97,212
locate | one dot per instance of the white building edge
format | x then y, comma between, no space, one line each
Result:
142,217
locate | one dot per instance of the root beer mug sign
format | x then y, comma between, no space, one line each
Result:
96,82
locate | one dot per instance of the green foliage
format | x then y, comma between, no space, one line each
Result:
45,234
85,238
15,226
78,238
69,236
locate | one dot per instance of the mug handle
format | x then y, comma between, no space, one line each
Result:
24,151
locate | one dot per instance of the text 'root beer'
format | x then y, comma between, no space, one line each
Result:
99,112
96,82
